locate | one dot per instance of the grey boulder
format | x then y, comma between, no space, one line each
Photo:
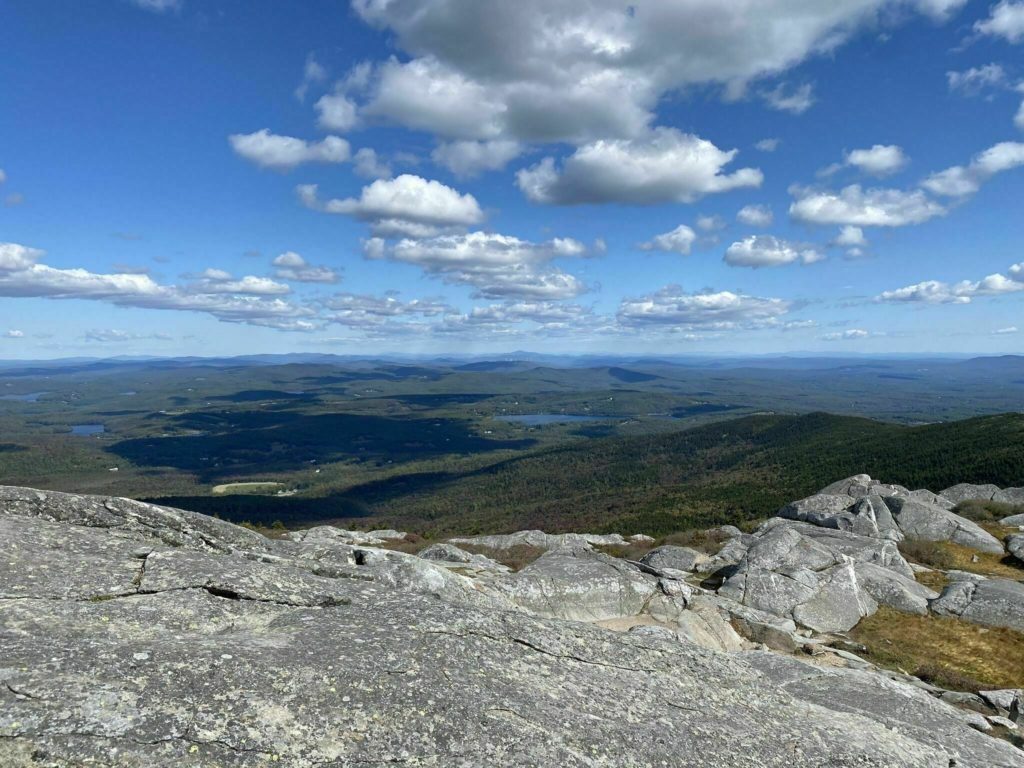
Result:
1010,496
992,602
582,585
450,554
867,515
970,492
894,590
676,558
791,575
1015,546
541,540
889,703
927,522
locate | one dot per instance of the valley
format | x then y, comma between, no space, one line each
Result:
446,446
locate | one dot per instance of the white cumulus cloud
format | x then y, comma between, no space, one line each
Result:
879,160
23,276
312,73
282,153
755,215
337,112
291,266
581,70
368,164
722,310
1005,20
664,166
963,181
471,158
938,292
861,207
796,100
850,237
496,266
977,79
769,251
406,205
679,240
850,334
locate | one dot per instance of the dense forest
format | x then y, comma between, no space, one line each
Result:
726,472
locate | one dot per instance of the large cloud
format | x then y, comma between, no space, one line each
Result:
864,208
963,181
520,318
722,310
406,205
21,275
497,266
282,153
1005,20
769,251
372,312
220,281
937,292
662,167
579,70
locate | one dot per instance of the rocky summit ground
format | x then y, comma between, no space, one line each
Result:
136,635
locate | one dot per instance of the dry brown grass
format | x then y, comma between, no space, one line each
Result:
948,556
631,551
516,558
947,652
275,531
987,511
707,541
412,544
936,580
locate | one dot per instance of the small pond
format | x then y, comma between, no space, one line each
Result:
88,430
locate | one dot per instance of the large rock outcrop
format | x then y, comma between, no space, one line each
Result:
988,492
135,635
927,522
822,578
981,600
832,558
542,540
863,506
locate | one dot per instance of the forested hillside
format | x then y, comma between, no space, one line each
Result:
727,472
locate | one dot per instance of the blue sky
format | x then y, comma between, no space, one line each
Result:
672,177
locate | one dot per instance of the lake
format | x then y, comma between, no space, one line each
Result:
540,419
87,430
